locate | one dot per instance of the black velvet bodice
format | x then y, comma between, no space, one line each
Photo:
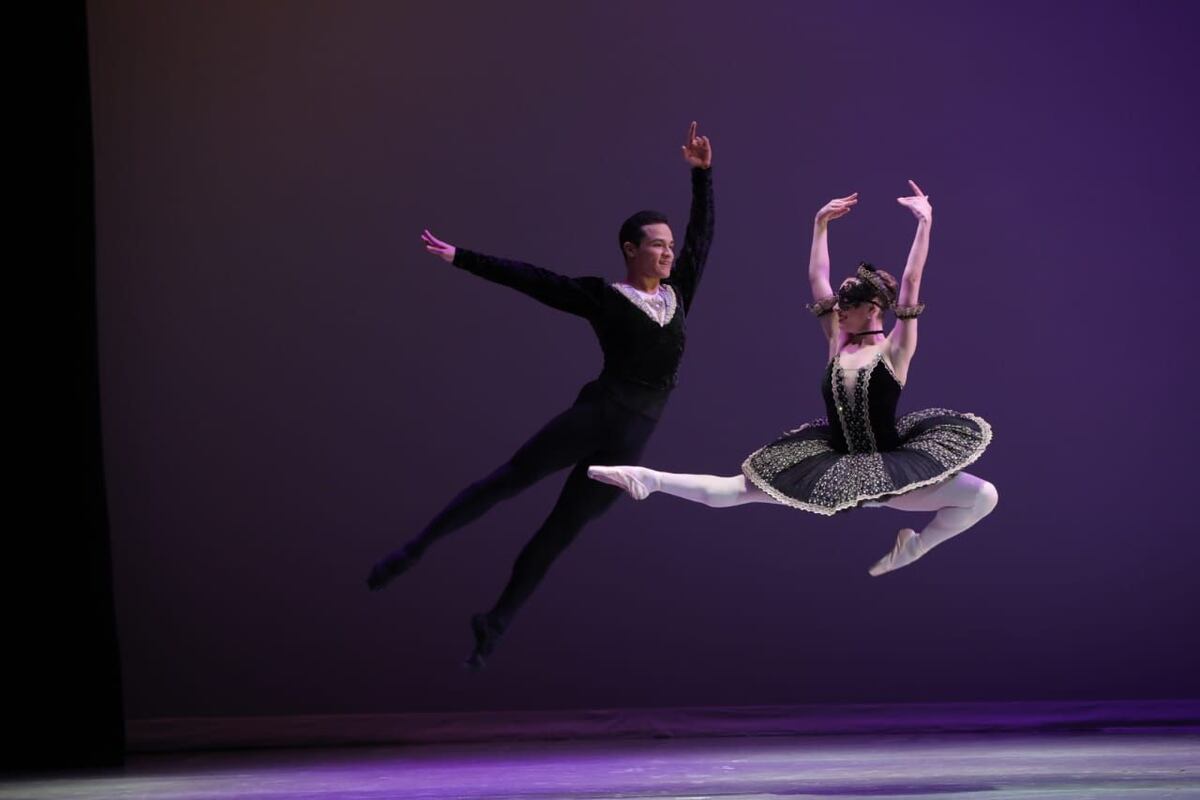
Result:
635,347
862,419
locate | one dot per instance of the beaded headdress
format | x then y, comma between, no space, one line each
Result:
869,288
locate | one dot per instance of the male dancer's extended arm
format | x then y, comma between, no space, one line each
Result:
689,267
574,295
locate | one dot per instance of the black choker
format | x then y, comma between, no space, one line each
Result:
866,333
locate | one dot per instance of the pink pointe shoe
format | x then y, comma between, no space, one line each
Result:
632,479
906,550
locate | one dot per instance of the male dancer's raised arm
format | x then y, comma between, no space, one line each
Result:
689,267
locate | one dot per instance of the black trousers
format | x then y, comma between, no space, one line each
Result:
595,430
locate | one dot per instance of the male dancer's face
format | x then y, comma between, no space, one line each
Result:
656,253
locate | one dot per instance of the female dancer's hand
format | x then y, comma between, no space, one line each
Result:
442,250
697,150
918,204
838,207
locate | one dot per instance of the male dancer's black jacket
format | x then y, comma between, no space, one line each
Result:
612,418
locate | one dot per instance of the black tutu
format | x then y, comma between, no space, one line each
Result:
867,454
802,468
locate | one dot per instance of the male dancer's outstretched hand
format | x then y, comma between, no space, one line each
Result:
697,150
443,250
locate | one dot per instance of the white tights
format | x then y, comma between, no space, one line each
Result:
959,502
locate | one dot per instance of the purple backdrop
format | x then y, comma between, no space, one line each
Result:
291,386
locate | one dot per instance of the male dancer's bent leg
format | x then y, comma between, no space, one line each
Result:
562,442
580,501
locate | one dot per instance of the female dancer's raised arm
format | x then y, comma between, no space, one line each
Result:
902,341
818,267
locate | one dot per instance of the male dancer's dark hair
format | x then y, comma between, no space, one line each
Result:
632,228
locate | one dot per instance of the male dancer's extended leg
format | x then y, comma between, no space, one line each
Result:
960,502
562,442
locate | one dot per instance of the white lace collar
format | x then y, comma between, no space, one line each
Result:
658,305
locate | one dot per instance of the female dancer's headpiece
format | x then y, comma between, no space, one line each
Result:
868,287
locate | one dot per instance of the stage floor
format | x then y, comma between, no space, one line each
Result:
1157,764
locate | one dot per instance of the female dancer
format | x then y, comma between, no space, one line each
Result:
861,455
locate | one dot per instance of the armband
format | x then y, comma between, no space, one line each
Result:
823,306
909,312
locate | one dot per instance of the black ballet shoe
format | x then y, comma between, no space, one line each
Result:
392,566
487,635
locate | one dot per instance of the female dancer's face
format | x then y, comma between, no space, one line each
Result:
857,317
655,255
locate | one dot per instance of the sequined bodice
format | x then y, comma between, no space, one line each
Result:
658,305
862,408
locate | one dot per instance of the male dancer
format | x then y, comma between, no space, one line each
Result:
640,324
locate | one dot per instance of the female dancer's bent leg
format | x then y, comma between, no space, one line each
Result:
960,502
